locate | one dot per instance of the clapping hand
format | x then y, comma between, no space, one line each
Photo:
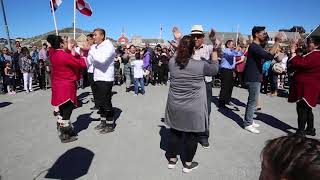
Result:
293,46
212,36
176,33
280,37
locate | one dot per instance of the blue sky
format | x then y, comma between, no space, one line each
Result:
27,18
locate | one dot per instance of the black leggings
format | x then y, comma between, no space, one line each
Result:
66,110
92,85
190,144
305,116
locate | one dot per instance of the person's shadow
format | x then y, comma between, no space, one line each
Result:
73,164
83,95
82,123
274,122
117,113
238,102
5,104
228,112
84,120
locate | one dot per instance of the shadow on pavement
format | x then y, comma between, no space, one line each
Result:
84,120
228,112
73,164
238,102
5,104
274,122
83,95
232,115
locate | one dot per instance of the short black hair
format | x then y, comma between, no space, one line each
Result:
102,31
138,56
257,29
90,35
45,44
316,40
228,42
55,41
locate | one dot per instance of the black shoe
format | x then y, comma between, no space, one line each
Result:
67,135
55,113
172,164
66,138
300,133
102,125
107,129
94,108
311,132
127,89
222,104
205,144
187,169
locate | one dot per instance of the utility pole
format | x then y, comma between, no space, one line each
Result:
5,25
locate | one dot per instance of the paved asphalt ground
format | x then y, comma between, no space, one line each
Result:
30,148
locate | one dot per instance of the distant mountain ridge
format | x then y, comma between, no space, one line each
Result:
64,30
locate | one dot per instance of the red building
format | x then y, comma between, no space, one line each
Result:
123,40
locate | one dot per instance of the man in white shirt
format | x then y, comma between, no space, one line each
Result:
101,56
204,52
138,74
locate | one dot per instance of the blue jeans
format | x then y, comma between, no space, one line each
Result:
254,90
138,81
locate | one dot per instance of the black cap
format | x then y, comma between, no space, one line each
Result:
257,29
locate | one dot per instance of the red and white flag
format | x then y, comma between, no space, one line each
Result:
84,7
56,4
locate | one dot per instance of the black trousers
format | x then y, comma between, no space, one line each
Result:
92,85
66,110
273,79
155,73
240,79
226,86
203,136
305,116
42,81
190,144
164,71
103,102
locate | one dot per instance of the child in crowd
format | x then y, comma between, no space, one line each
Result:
9,78
138,74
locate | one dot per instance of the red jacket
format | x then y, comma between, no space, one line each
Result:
306,79
65,71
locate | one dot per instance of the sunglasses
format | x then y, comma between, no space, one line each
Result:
198,36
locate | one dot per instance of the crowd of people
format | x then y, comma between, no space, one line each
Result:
191,68
22,68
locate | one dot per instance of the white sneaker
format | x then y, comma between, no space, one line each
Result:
255,125
252,129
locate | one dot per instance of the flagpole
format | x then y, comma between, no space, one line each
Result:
237,35
54,18
6,24
74,19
